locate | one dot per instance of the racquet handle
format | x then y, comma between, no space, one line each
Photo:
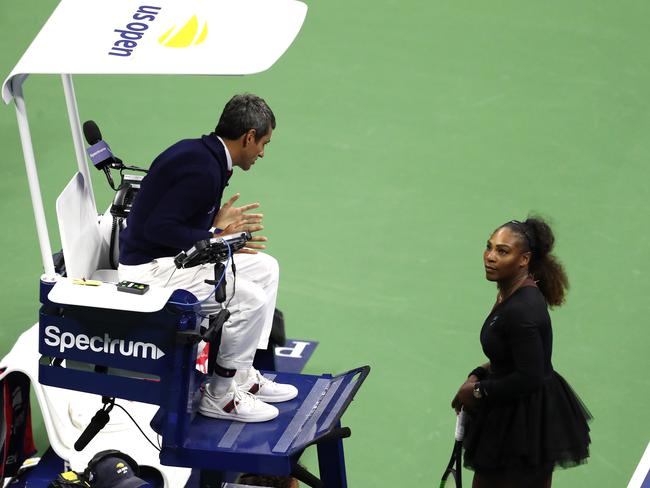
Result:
460,426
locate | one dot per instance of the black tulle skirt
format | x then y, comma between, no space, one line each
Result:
535,432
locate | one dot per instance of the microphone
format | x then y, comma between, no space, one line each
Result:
99,152
97,423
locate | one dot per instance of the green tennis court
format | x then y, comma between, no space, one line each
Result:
407,131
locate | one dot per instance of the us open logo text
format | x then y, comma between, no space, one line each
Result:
133,31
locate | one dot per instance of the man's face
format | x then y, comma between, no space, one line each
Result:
253,149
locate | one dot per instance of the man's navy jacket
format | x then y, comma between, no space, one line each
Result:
177,201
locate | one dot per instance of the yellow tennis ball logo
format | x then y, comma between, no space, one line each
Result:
186,35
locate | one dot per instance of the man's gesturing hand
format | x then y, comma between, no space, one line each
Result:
235,219
228,214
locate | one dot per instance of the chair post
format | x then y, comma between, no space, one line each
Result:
331,462
32,179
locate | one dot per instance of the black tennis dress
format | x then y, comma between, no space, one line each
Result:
529,418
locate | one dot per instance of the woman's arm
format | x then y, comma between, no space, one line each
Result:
479,373
525,344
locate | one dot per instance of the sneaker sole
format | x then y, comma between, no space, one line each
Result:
215,414
277,398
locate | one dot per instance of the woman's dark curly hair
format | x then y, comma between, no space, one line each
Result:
537,237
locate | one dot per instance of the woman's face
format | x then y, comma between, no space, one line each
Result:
503,257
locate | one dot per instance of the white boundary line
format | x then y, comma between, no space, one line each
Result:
642,470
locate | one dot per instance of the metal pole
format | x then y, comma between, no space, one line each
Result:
32,179
331,462
75,127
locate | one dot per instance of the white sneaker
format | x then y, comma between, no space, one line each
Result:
238,405
266,389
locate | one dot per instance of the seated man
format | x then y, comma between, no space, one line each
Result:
178,202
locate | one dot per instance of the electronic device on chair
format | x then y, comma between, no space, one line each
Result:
213,250
125,195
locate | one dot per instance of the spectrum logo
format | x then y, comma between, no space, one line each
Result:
81,342
133,32
185,36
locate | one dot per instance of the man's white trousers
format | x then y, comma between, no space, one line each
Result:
251,308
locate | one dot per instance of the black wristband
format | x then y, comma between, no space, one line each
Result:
480,372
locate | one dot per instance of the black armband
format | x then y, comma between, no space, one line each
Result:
480,372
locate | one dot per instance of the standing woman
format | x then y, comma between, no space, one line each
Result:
524,417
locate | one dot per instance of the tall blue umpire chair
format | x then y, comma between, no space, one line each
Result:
143,348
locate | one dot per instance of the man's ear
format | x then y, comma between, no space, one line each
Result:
249,137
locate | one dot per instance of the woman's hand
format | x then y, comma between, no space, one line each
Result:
465,396
455,403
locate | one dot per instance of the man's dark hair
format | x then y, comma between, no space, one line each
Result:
243,113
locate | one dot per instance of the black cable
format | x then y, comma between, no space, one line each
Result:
121,178
111,250
107,172
136,424
135,168
170,277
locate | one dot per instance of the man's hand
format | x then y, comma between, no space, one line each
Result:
255,242
253,245
229,215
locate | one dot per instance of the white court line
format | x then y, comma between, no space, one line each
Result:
642,471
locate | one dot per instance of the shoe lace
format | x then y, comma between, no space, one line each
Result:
241,396
261,380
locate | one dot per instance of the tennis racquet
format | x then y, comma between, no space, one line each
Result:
452,475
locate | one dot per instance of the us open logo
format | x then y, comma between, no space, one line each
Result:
189,34
133,32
